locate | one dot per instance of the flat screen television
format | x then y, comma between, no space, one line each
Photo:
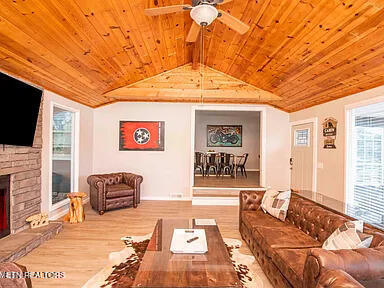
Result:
19,109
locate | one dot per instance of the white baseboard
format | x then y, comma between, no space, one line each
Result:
236,188
59,212
156,198
216,201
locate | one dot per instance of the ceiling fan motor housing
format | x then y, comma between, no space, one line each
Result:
204,14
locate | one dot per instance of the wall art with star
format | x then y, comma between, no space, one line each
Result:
142,135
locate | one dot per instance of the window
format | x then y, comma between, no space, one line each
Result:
302,137
63,151
365,194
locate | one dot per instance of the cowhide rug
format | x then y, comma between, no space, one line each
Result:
123,266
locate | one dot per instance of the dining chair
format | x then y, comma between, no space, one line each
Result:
241,164
220,161
199,163
211,163
227,164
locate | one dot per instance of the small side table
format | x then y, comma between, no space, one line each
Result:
76,210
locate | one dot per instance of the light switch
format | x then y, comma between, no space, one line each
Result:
320,165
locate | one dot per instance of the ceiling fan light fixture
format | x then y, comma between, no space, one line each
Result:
204,14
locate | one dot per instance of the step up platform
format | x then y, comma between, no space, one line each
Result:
218,196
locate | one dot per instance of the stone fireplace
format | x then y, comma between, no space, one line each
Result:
21,169
5,223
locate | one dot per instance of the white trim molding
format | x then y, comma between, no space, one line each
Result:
75,156
215,201
244,108
348,125
313,121
236,188
156,198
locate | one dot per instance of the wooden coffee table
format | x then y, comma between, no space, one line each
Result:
161,268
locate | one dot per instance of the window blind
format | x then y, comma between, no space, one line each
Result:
366,192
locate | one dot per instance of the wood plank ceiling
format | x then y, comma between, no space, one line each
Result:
305,51
187,85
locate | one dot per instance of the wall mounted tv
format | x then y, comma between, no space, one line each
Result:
19,109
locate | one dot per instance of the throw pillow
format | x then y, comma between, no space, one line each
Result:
276,203
348,236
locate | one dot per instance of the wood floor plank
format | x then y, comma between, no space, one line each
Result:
81,250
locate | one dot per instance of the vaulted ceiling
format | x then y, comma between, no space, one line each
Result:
306,52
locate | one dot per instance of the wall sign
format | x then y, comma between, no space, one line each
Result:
329,132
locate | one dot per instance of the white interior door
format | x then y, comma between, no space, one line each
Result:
302,157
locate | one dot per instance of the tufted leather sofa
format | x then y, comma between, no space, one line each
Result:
337,278
290,252
116,190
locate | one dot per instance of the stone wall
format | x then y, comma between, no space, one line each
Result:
24,166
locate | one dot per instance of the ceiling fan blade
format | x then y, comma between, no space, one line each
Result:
166,10
193,33
224,2
233,22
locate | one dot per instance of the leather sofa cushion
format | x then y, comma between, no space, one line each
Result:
282,237
291,264
118,190
260,219
314,220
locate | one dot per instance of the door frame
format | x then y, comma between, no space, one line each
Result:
241,108
314,122
75,155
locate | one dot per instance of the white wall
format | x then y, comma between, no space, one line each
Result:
330,178
168,172
164,173
278,149
85,146
250,122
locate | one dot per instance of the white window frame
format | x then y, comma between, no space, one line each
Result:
349,120
308,139
75,154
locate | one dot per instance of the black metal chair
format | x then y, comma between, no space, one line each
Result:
199,162
241,164
226,164
220,161
211,163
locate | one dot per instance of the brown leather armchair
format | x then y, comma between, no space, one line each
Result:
116,190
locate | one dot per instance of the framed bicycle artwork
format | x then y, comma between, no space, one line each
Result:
224,135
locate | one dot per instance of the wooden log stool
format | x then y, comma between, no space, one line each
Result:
76,210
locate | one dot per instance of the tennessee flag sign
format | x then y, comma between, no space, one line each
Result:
142,136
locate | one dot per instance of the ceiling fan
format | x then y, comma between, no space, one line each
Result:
203,12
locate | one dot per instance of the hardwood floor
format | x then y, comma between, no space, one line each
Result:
252,181
81,250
